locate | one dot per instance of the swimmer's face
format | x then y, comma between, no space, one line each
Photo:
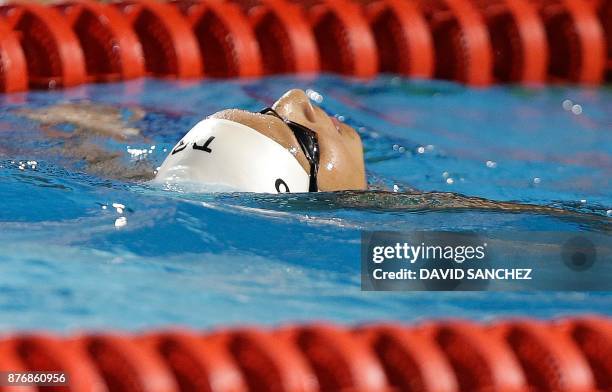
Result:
341,164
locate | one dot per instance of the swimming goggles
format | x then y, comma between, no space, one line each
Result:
309,144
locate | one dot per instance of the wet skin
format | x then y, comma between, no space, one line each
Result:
341,162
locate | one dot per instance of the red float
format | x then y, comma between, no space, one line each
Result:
402,37
111,49
593,336
550,361
168,44
339,360
575,40
462,48
47,353
518,40
13,68
126,366
9,360
480,362
412,361
225,38
284,36
343,37
604,12
266,362
52,51
197,365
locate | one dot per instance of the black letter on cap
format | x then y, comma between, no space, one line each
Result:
205,146
179,147
278,184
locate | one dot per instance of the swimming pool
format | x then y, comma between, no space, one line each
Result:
70,261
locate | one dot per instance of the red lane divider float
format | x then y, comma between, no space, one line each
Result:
402,36
169,46
449,356
411,360
594,339
267,363
477,42
47,353
197,364
125,365
550,361
224,37
52,51
604,12
461,41
345,42
575,40
285,39
518,40
480,362
339,361
9,359
111,49
13,67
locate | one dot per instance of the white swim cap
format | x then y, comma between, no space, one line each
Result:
226,155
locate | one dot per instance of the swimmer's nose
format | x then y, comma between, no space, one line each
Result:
309,110
295,103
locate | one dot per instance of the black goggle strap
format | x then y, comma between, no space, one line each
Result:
308,142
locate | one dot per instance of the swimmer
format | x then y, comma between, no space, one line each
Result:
294,141
293,146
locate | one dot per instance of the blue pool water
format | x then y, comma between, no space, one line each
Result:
206,260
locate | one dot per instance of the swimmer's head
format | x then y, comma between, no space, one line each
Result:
293,146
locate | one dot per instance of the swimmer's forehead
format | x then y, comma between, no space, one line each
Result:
267,125
240,114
